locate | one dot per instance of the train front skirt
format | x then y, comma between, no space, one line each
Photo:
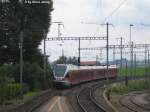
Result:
61,84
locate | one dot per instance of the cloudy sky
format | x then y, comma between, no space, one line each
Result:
120,13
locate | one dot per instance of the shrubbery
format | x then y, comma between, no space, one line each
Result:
139,71
11,91
32,20
33,79
139,85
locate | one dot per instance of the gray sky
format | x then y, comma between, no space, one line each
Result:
73,12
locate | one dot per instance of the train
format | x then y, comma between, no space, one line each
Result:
66,75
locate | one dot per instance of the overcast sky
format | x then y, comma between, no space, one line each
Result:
74,12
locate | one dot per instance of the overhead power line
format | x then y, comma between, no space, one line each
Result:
118,47
114,11
76,38
143,24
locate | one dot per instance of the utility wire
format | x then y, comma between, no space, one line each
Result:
143,24
122,3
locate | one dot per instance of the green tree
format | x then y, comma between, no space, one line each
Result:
66,60
33,76
32,19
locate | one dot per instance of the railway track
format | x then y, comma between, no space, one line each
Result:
83,98
145,105
128,102
98,96
86,103
91,99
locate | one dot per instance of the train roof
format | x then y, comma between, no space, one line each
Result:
75,67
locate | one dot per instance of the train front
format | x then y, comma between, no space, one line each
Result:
60,73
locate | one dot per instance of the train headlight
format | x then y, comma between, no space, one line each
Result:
59,78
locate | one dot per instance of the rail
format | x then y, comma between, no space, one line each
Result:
87,102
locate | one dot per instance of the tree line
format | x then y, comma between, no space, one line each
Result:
32,20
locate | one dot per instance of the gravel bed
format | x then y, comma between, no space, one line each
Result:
98,96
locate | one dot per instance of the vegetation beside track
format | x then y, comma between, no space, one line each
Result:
33,20
139,71
33,81
134,85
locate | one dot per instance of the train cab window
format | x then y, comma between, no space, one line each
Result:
60,70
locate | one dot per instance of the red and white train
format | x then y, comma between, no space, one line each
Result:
67,74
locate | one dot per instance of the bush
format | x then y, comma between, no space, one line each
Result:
139,85
33,75
33,79
140,71
11,91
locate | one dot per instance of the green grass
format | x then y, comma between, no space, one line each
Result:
30,94
27,96
121,88
140,71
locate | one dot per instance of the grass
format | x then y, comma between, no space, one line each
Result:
140,71
27,96
30,94
121,88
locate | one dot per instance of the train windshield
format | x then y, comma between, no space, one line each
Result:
60,70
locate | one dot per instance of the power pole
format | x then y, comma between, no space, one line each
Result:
134,64
79,53
131,61
130,40
121,38
148,56
131,55
96,60
148,61
126,74
107,51
114,56
44,58
121,51
145,61
101,53
23,20
21,62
